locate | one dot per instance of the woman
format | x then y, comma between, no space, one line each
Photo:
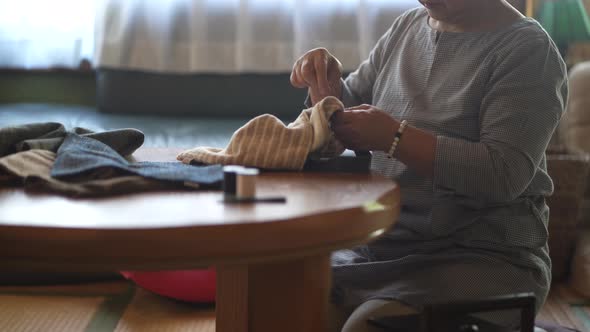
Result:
481,89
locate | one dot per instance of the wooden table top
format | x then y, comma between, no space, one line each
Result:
173,230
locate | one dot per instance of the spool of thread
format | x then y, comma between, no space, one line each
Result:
230,189
239,182
246,183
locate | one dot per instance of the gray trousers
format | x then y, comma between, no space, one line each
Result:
355,320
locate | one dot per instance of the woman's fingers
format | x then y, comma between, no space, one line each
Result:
315,68
339,129
321,75
297,74
336,118
359,108
295,77
334,71
319,71
341,119
308,72
343,134
315,96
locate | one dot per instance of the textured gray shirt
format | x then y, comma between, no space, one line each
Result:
479,226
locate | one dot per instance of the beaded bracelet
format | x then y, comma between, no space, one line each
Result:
397,138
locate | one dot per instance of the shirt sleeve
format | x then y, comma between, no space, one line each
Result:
357,89
523,103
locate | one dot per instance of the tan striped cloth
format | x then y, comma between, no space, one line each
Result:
265,142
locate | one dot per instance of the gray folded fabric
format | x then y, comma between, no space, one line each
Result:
49,136
10,137
31,169
82,158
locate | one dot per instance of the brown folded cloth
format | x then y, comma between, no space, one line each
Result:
32,168
265,142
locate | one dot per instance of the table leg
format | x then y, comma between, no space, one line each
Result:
287,296
231,303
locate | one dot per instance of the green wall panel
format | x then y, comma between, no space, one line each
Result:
49,87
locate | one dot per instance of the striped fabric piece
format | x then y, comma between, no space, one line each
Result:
265,142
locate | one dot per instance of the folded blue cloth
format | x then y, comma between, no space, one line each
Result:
83,158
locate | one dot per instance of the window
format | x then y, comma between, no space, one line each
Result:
190,35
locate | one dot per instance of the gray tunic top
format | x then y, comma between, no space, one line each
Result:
479,227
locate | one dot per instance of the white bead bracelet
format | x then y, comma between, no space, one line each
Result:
397,138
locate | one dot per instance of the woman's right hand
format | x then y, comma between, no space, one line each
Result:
319,71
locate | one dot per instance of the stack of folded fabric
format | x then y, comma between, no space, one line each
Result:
81,163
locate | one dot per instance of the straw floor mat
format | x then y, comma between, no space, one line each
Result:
102,307
119,306
566,308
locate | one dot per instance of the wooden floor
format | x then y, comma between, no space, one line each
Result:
558,309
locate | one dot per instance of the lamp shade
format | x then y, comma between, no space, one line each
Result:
566,21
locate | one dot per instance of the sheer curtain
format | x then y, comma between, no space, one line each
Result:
41,33
190,36
230,36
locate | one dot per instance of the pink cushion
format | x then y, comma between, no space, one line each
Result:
190,286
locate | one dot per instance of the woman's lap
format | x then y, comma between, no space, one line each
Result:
422,279
345,320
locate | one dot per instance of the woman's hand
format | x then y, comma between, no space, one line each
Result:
319,71
364,128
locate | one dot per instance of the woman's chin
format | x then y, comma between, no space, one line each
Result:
436,14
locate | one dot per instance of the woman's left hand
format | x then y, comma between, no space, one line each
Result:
364,128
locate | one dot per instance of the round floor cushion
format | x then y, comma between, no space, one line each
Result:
581,265
189,286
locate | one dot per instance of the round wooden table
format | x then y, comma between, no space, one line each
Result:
273,260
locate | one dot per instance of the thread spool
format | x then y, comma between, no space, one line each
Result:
246,183
239,182
230,189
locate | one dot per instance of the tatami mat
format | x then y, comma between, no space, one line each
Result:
150,313
122,307
566,308
100,307
47,313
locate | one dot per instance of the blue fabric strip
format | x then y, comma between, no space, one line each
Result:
82,158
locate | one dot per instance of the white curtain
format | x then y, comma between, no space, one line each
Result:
230,36
190,36
42,33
